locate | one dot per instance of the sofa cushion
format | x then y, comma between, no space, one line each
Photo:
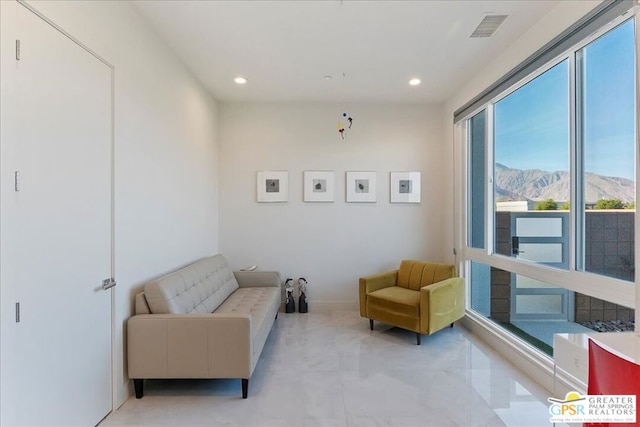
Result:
261,303
397,300
417,274
198,288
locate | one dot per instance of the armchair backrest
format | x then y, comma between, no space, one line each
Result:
416,274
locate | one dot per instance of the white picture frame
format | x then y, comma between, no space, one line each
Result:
361,187
405,187
273,186
319,186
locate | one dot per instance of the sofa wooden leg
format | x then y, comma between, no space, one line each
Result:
418,336
276,315
371,324
451,325
137,385
245,387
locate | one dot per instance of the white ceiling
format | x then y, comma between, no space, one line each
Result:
371,48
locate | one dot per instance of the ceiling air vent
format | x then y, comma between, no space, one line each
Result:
488,26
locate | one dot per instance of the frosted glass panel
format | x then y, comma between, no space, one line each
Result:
539,227
524,282
541,252
539,304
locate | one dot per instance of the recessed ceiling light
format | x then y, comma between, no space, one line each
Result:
240,80
327,77
414,82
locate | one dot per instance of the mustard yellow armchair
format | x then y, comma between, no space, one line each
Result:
422,297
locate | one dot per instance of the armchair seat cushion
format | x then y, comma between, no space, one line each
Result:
396,300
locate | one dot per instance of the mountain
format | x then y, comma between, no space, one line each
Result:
536,184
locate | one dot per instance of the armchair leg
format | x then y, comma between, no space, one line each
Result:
418,336
371,324
451,325
245,387
138,386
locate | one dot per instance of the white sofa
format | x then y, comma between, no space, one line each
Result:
202,321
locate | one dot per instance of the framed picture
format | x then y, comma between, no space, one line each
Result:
273,186
405,187
318,186
361,187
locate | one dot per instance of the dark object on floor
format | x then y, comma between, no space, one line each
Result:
303,302
303,305
290,304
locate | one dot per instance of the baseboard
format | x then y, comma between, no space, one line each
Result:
326,306
335,305
565,382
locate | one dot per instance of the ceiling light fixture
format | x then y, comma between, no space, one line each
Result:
240,80
414,82
327,77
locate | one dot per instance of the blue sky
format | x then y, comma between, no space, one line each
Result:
532,124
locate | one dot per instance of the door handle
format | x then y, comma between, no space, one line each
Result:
515,246
108,283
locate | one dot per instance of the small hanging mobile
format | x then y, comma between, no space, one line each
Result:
346,121
342,130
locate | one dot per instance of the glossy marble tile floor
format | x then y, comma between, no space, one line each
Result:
329,369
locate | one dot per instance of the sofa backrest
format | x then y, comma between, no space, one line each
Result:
197,288
416,274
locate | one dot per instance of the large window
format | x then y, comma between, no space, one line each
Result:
606,120
531,168
550,214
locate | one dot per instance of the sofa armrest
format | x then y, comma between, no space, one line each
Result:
140,304
256,279
216,345
372,283
441,304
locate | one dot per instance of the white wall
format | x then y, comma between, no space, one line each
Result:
330,244
166,154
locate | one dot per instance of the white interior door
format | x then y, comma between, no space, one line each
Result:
57,237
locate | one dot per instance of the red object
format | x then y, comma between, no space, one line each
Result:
612,374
